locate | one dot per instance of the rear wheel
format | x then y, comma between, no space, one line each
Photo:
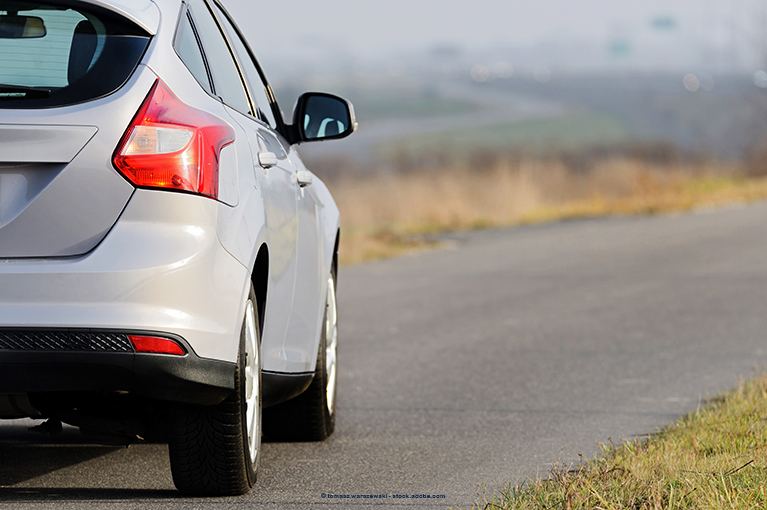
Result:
311,416
214,450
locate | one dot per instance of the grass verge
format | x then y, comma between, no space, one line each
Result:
391,214
714,458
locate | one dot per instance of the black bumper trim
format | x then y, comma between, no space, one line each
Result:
186,378
63,340
281,386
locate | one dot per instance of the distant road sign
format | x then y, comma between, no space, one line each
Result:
619,48
664,23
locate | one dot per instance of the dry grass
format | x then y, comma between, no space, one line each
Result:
386,215
711,459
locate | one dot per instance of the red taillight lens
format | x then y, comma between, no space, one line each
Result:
156,345
171,145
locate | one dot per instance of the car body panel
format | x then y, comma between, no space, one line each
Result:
280,192
107,255
142,12
300,320
43,143
161,268
276,190
61,210
308,302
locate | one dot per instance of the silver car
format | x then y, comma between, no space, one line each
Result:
167,263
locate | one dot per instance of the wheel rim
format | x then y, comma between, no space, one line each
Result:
252,382
331,344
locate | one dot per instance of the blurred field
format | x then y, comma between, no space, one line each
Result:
434,156
404,108
389,214
570,131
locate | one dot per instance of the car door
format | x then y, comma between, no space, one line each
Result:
274,175
308,302
280,192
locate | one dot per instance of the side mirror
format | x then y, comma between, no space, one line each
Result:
320,116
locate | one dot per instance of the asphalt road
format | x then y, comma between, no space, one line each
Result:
482,363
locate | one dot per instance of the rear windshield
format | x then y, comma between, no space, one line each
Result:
63,53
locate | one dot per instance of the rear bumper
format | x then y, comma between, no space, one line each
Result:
186,378
161,268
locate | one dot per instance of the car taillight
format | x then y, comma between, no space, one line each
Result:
171,145
156,345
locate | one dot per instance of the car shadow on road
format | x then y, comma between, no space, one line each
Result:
31,494
19,463
26,456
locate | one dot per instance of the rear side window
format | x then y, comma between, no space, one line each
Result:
257,87
226,78
54,56
188,49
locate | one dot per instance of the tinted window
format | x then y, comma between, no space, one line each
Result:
188,49
226,79
73,55
255,84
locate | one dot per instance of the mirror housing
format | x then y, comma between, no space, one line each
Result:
21,27
319,116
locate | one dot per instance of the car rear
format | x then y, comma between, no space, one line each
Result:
114,286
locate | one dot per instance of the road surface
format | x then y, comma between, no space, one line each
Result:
482,363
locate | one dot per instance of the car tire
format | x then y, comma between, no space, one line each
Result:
214,450
311,416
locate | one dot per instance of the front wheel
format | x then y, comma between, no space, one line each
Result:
311,416
214,450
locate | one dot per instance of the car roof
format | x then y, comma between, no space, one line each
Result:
142,12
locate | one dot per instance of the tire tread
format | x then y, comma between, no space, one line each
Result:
206,449
208,444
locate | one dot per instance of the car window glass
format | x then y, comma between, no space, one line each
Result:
226,78
255,83
189,51
52,55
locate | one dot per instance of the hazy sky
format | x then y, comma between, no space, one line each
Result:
368,28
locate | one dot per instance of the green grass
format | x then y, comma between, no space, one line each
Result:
539,135
715,458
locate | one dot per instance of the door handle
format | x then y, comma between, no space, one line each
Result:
267,159
304,178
